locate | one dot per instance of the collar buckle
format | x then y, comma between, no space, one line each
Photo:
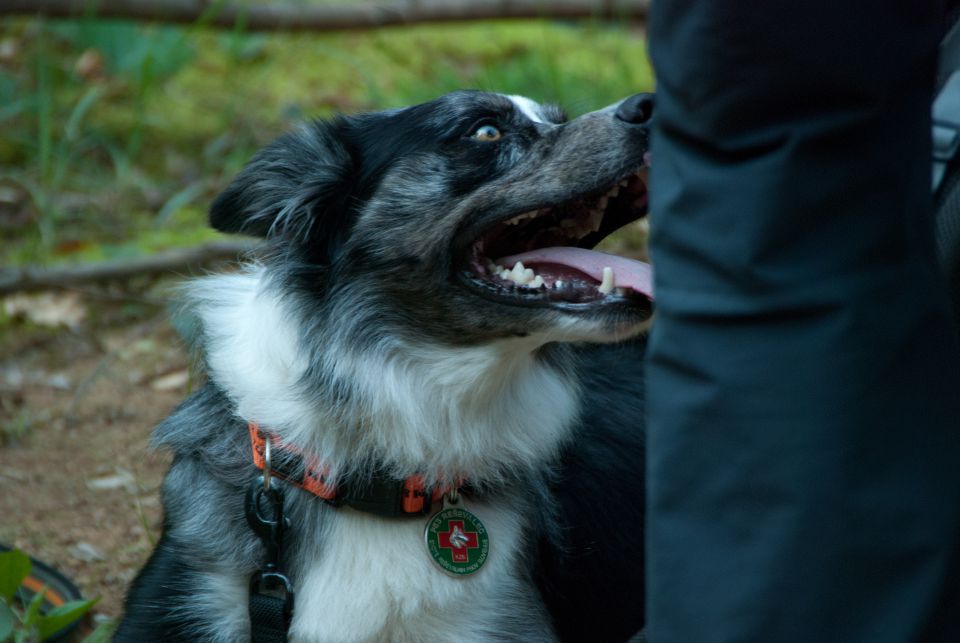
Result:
384,496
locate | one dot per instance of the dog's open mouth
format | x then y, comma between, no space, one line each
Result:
544,255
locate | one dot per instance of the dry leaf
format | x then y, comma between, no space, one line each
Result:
86,552
171,381
48,309
121,479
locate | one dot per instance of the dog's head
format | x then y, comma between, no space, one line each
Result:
425,215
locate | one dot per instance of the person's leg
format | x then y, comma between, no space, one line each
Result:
804,426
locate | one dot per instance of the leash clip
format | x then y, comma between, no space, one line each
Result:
270,527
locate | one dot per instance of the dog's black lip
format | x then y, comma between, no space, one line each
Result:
467,237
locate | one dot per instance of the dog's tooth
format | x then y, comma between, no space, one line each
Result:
568,223
614,191
521,217
505,274
620,291
524,277
607,285
537,282
623,183
517,274
602,203
596,219
558,284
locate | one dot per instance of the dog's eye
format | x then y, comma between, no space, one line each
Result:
486,133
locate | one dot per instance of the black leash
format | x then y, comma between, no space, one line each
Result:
271,592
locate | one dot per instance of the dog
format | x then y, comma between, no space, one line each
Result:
427,335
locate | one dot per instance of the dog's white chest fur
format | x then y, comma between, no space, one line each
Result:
375,581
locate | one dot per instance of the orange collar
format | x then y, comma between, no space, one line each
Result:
379,495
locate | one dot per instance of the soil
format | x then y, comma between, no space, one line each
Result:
78,481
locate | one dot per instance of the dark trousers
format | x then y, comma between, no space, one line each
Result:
803,389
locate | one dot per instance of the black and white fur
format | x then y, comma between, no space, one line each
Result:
363,337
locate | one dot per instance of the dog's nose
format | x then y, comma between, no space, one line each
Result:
636,110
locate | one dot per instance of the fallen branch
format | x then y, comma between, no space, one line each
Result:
32,279
335,17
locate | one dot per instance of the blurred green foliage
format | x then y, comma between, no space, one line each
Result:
115,135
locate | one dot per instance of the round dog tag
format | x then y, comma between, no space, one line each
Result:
457,540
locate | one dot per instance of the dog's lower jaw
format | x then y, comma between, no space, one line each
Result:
603,330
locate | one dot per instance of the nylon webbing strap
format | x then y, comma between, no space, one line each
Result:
268,623
946,127
946,107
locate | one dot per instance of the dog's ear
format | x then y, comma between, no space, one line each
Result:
295,188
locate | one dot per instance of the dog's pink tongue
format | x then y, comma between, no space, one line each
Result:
627,273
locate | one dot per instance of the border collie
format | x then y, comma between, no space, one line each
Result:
428,336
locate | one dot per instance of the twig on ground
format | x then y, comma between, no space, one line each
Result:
28,278
333,17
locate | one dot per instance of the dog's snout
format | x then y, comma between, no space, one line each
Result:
636,110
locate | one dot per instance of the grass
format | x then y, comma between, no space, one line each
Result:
114,136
